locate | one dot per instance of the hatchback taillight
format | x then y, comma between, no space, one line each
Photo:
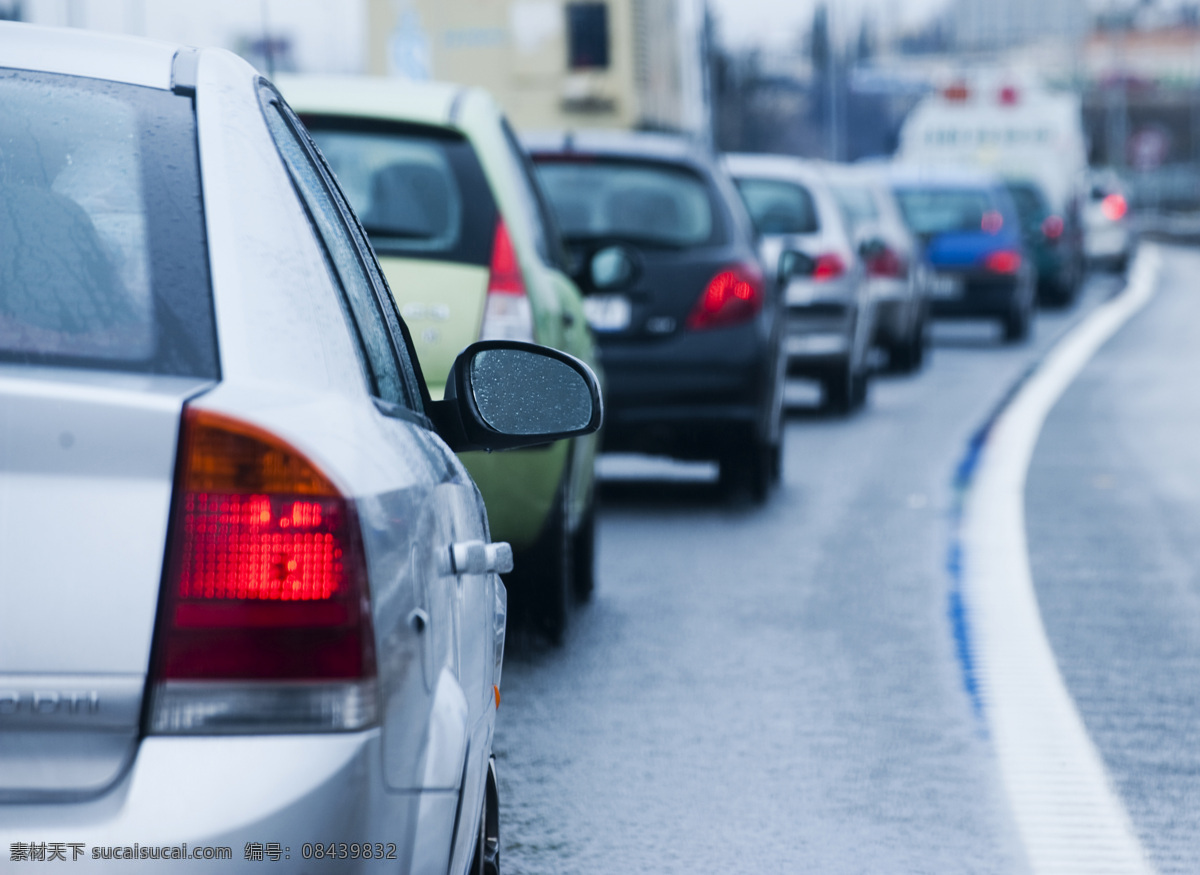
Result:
1003,261
1114,207
828,267
507,314
886,263
733,296
265,622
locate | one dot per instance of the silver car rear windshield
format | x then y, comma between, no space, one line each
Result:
419,191
779,207
103,262
646,202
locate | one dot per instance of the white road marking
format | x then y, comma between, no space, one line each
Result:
1068,815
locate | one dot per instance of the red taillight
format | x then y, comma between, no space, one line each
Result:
956,93
1052,227
827,267
886,263
507,314
505,277
1008,96
1114,207
1004,261
731,297
266,580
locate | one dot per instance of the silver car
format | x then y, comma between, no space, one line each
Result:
897,277
830,314
249,610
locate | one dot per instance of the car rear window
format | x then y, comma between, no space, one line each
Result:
645,202
1031,204
418,191
857,203
779,207
941,210
103,261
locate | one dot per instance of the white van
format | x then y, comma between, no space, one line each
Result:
1005,122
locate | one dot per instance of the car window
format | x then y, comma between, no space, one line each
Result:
390,372
857,204
419,192
940,210
649,202
547,234
103,263
1031,205
779,207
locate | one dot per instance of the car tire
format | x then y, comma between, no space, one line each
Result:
909,356
859,389
838,389
1017,324
487,844
747,472
583,553
542,576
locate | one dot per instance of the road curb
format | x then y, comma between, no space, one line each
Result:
1067,814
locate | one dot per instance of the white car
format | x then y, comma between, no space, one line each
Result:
1107,235
830,310
249,610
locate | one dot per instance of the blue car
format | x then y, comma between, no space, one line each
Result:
973,244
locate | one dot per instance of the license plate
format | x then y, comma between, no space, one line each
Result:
943,286
607,312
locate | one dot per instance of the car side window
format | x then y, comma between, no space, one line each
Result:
547,238
391,374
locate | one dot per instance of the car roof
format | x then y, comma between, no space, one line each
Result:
386,98
950,176
75,52
626,144
773,167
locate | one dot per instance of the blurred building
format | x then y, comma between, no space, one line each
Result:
1001,24
556,63
308,36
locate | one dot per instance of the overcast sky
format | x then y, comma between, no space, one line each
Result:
776,24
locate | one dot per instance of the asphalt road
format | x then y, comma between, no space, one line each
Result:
1113,521
777,689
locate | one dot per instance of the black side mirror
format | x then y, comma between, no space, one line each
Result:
502,394
793,264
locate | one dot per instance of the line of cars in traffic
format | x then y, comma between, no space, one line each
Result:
257,344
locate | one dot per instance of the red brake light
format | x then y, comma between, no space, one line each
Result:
266,580
956,93
886,263
505,277
1114,207
732,296
507,314
1009,96
827,267
1004,261
1052,228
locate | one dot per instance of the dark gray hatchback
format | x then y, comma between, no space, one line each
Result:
687,323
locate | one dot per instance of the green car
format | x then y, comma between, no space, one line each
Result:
470,251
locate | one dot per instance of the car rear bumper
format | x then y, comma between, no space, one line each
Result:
819,337
979,295
220,800
688,394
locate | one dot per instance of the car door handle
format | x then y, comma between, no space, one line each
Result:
476,557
